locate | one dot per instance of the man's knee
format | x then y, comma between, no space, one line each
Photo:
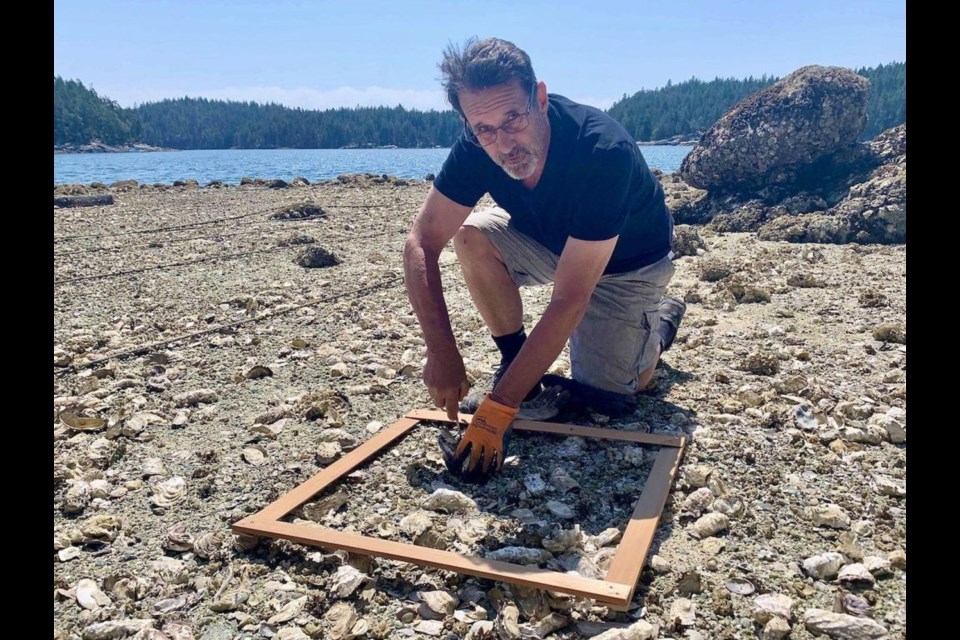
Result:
470,241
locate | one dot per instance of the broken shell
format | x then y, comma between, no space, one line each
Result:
113,629
89,595
560,509
315,511
470,531
562,480
416,523
195,397
70,553
709,524
520,555
327,452
740,586
77,498
153,467
178,631
80,423
448,500
167,605
104,527
101,453
346,581
255,455
341,437
289,611
207,545
178,538
269,430
168,493
436,605
342,618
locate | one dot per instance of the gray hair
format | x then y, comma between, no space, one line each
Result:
482,64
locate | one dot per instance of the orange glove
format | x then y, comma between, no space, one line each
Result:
484,442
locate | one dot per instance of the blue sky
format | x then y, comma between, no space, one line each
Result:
321,55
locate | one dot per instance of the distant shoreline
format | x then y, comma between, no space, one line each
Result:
99,147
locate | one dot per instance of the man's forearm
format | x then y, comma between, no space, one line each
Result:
421,270
541,349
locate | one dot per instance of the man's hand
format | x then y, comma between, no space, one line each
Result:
484,444
446,380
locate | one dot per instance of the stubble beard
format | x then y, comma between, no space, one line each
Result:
520,163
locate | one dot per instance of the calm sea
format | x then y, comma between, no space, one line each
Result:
315,165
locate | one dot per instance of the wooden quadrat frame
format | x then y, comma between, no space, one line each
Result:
615,590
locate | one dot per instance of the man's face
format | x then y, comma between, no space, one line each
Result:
519,154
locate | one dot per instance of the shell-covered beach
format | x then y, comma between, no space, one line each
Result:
216,346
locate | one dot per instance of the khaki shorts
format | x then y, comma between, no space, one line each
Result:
618,336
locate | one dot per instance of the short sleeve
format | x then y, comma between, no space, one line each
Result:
461,177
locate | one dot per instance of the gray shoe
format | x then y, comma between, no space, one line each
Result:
671,314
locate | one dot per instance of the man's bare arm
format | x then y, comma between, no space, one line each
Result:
578,271
438,221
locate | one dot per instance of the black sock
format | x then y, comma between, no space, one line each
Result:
510,344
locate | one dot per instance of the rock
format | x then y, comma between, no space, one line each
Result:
841,626
830,515
314,257
898,559
773,136
534,484
889,487
659,564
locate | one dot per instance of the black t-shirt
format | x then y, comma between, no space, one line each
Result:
595,185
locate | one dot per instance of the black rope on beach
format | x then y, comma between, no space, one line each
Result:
289,224
198,224
393,280
161,229
153,244
115,274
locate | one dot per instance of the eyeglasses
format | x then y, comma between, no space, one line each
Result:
486,135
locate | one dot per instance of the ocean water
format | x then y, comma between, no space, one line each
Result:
230,165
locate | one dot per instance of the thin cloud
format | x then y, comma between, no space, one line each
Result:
594,101
313,99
